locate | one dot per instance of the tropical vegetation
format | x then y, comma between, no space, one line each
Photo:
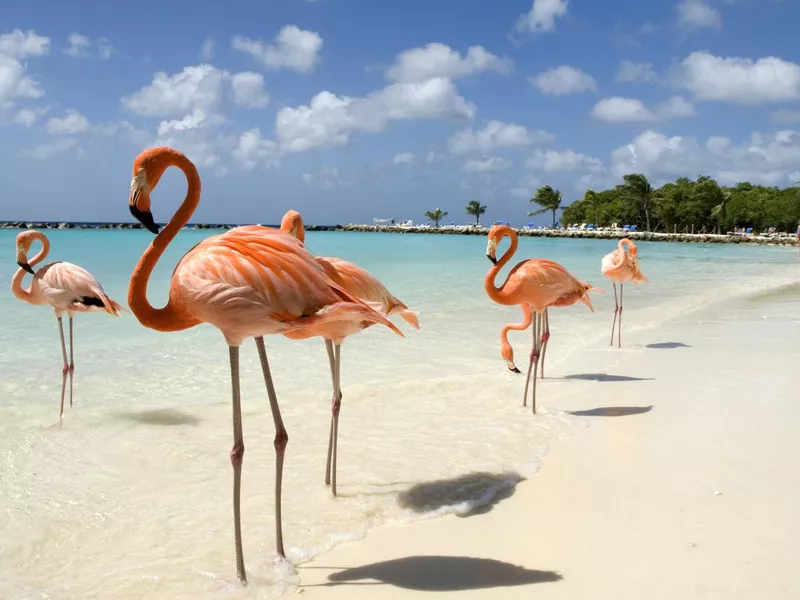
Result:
436,215
548,199
476,209
700,206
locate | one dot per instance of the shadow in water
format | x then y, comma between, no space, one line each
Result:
163,416
442,574
604,377
477,492
612,411
668,345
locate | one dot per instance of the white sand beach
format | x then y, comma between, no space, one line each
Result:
686,484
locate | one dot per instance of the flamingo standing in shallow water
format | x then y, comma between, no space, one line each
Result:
365,286
66,288
621,266
535,285
248,282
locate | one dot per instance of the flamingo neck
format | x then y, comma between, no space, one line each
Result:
20,292
495,293
173,316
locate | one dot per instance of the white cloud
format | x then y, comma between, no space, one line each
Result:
80,46
248,90
294,48
197,119
14,83
438,60
433,157
564,80
563,160
675,107
785,116
329,120
739,80
326,178
28,116
19,44
542,15
198,87
698,14
485,165
73,122
404,158
622,110
635,72
520,193
253,150
207,49
632,110
765,158
50,149
494,135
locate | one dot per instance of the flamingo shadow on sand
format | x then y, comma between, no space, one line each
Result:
612,411
667,345
604,377
476,492
167,417
442,574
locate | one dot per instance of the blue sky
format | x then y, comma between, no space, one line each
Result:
349,109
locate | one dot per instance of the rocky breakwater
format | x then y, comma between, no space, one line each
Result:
604,234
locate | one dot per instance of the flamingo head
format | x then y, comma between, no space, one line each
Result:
24,241
496,234
148,168
292,223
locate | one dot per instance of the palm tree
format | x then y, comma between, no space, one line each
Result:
548,199
591,198
720,211
475,209
436,215
637,189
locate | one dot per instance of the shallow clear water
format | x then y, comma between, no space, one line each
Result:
131,496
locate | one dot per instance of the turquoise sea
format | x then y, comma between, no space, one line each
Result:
133,492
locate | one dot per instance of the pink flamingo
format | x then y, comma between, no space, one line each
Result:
66,288
247,282
535,285
621,266
363,285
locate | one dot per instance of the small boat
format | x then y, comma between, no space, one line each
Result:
382,221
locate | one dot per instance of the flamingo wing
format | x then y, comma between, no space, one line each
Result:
68,287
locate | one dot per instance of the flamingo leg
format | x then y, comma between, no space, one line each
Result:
535,353
281,441
616,312
619,331
65,368
237,457
535,329
545,336
335,415
71,360
332,363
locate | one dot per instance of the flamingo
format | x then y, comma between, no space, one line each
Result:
365,286
250,281
66,288
534,285
620,266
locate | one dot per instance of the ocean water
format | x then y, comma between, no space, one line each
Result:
131,496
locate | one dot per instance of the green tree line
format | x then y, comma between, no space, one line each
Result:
701,205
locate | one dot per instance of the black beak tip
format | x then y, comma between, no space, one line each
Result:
515,370
492,258
25,267
145,217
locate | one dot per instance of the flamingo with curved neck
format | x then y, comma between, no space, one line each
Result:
247,282
365,286
66,288
621,266
534,285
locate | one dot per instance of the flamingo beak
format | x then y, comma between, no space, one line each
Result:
23,264
492,258
145,217
491,248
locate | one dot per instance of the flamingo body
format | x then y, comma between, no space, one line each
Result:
66,288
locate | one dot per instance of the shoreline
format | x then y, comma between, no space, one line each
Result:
646,502
637,236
